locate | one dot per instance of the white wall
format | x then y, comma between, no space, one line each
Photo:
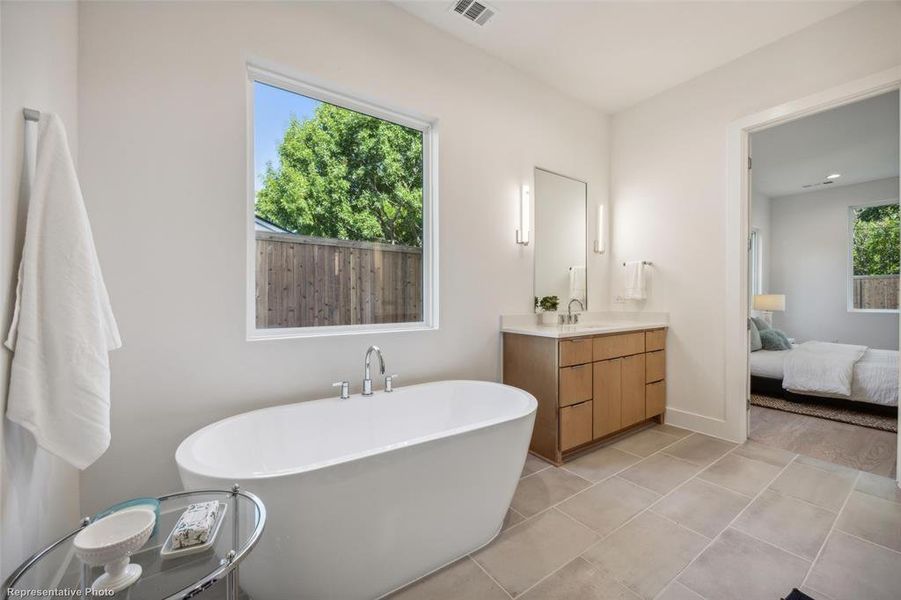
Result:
668,174
810,266
162,115
38,492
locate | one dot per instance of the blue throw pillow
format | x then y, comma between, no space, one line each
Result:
785,338
756,343
773,339
761,324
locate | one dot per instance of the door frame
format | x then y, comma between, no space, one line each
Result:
738,227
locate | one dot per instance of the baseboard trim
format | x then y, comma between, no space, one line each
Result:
711,426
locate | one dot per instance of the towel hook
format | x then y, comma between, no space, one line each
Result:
31,114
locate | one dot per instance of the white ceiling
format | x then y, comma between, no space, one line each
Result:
859,141
615,54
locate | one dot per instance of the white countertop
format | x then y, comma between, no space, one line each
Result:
590,324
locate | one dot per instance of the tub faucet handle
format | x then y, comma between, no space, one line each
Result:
345,388
389,382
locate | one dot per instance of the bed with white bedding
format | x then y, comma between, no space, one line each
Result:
874,378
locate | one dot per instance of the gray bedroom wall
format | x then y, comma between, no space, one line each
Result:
809,264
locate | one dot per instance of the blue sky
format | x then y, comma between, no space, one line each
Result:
272,111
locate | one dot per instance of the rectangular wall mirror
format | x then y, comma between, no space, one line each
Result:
561,205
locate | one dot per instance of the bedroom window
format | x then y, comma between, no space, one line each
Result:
755,264
875,255
341,227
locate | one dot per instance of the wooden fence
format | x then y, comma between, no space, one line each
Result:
304,281
876,291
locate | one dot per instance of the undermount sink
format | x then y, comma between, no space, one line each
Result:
601,325
594,324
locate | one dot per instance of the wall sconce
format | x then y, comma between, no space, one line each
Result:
525,216
599,242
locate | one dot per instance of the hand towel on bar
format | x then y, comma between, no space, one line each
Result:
636,281
63,326
577,283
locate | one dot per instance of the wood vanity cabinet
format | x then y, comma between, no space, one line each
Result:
588,388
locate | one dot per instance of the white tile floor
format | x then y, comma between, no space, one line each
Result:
672,515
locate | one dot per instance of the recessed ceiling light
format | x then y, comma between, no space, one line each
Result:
833,176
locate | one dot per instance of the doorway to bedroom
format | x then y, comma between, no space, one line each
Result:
824,249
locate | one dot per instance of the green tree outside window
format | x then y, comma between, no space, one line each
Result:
876,248
346,175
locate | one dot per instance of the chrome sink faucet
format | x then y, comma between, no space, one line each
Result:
570,317
345,388
367,378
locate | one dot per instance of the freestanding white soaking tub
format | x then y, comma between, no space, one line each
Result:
367,494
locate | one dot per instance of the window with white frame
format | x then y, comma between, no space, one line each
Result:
875,253
755,265
342,235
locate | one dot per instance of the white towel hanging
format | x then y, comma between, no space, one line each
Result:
63,326
636,281
577,283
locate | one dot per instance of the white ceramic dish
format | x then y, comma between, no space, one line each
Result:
168,552
110,542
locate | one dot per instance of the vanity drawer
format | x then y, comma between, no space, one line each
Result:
655,399
575,425
575,352
655,339
655,367
615,346
575,384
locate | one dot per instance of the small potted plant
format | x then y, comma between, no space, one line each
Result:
546,307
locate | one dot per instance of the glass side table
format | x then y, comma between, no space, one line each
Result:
55,571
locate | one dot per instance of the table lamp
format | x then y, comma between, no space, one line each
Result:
768,304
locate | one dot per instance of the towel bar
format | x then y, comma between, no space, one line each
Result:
644,262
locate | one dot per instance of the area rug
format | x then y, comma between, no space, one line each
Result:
797,595
825,411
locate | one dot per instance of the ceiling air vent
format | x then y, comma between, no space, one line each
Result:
473,11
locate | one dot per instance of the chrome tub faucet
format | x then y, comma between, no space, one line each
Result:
367,377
